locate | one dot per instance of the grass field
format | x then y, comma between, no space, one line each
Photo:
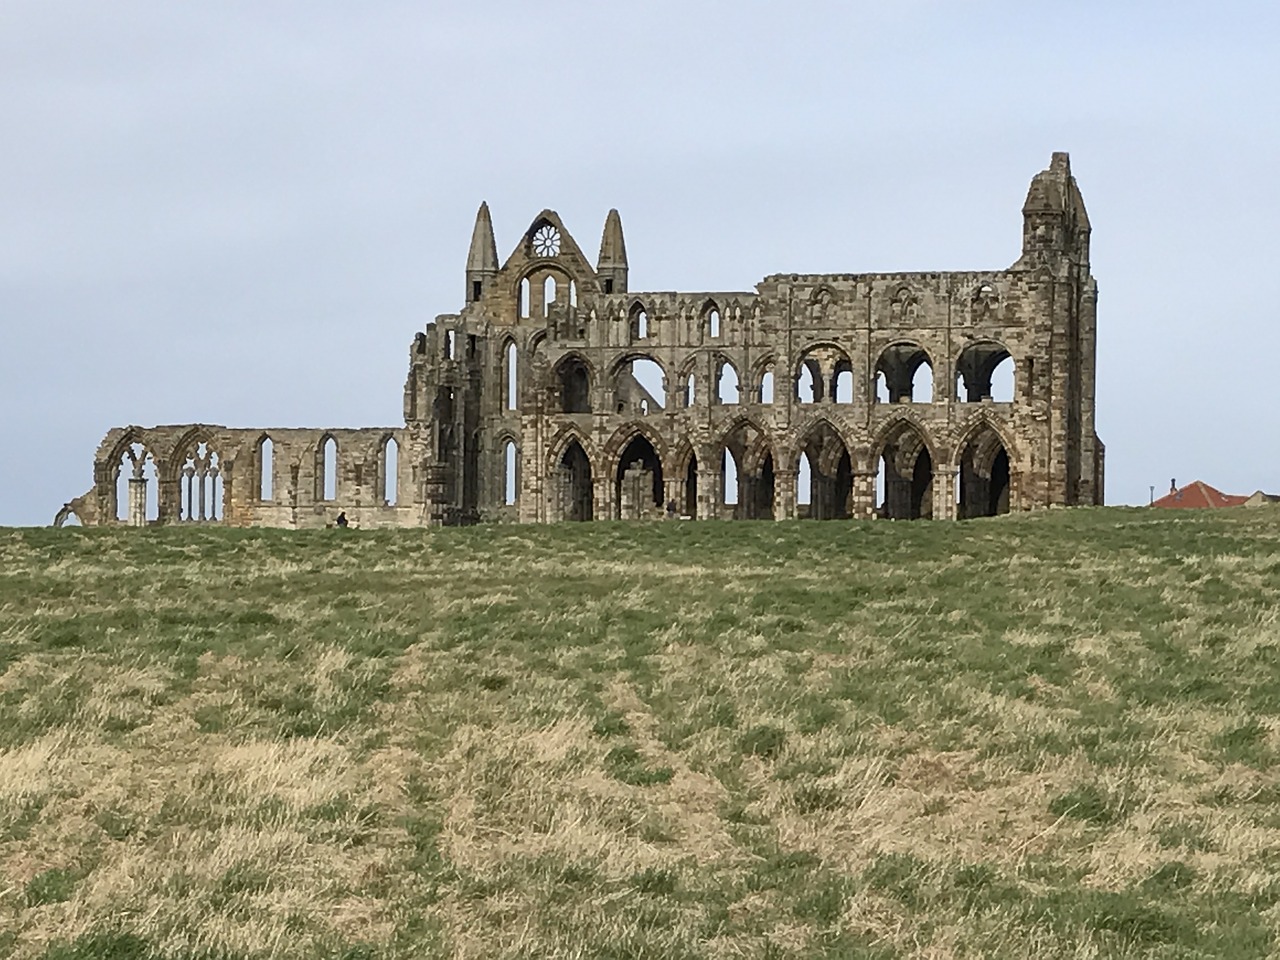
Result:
1030,737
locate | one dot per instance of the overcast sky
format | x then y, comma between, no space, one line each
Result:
240,212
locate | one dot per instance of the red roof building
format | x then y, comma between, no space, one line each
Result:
1198,495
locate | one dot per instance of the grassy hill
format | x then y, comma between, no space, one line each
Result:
1030,737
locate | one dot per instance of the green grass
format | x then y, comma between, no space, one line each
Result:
1030,737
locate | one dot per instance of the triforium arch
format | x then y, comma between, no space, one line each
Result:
631,394
571,317
904,373
904,456
823,372
987,480
571,385
976,368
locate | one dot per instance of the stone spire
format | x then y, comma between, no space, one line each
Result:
482,258
612,264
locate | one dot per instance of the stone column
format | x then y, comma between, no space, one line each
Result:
784,493
137,501
944,493
864,494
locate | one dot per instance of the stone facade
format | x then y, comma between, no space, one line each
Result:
557,393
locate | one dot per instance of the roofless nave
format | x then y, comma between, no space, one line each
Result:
557,393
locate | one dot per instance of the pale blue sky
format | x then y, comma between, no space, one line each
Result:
240,212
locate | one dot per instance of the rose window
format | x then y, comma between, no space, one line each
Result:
546,241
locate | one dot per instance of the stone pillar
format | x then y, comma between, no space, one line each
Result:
137,501
864,494
708,489
944,493
784,493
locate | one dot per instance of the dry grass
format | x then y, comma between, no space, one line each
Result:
1034,737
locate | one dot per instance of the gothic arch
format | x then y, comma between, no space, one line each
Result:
568,434
901,421
970,428
624,435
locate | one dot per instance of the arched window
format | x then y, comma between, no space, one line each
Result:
548,295
904,374
922,384
766,387
809,383
713,323
200,485
573,293
985,371
137,482
510,462
512,382
327,469
524,298
390,471
689,391
727,383
843,392
266,469
639,322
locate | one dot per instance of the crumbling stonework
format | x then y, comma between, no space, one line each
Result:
559,394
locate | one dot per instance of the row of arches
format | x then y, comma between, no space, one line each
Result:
904,374
198,472
745,474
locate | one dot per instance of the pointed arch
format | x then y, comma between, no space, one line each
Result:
987,482
639,383
264,468
830,470
197,466
728,382
510,379
905,454
326,468
638,321
711,319
389,469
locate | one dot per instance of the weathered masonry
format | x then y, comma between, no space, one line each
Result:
558,393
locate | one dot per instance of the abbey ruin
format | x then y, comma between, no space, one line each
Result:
558,393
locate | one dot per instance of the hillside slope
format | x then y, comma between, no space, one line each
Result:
1031,737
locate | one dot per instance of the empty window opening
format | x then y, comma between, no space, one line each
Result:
809,383
766,387
842,391
922,384
713,323
200,485
638,484
548,295
804,482
575,386
985,372
573,293
327,464
689,391
573,486
266,469
640,386
512,383
904,374
475,289
509,459
608,284
727,391
137,486
639,322
524,298
729,479
450,344
390,471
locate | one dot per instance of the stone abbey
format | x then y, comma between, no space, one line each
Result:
558,393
